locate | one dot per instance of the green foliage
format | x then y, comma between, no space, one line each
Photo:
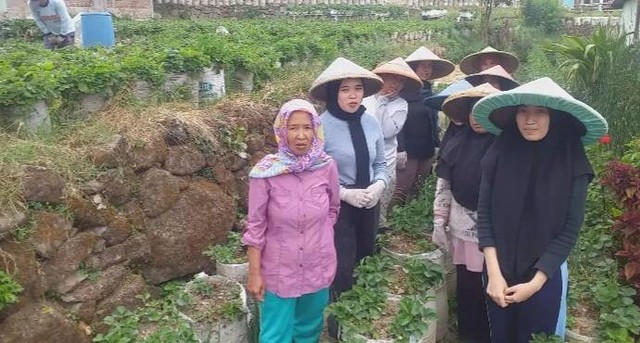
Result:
24,232
422,275
235,140
230,252
373,272
25,80
417,214
20,29
89,71
632,153
588,60
602,71
594,273
619,316
90,273
9,290
547,15
146,50
538,65
157,321
356,309
544,338
185,60
413,319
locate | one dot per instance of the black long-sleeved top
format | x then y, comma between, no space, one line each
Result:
558,249
419,135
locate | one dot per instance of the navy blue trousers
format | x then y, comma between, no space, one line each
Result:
538,314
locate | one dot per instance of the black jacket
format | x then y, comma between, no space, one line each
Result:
419,135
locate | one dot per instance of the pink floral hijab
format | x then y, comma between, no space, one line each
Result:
285,161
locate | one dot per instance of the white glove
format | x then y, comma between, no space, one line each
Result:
401,160
439,236
354,197
375,192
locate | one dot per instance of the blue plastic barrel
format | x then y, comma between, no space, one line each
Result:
97,29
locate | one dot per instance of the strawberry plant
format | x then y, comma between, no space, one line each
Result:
9,290
413,319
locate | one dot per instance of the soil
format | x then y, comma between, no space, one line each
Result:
585,319
405,243
398,281
382,325
213,300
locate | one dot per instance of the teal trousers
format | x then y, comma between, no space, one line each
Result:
298,320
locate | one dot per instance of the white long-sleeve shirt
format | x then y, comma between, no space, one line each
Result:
53,18
391,116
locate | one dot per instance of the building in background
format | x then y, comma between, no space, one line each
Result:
19,9
629,19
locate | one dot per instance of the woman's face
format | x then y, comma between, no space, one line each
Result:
350,95
533,122
424,69
487,61
393,84
474,124
299,132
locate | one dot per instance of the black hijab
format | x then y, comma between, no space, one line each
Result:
459,163
358,138
531,190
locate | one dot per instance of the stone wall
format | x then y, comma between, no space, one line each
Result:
156,205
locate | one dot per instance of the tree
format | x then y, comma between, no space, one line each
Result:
486,19
546,15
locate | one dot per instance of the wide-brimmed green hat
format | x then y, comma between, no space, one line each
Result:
496,111
469,64
341,69
441,67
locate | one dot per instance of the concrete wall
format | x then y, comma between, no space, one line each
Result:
628,19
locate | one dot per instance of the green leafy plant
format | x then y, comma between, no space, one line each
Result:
185,60
9,290
235,140
229,252
544,338
373,272
157,321
422,275
89,272
90,72
417,214
545,14
356,308
412,320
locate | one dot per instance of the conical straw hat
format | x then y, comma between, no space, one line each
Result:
508,61
506,80
458,105
341,69
435,101
399,67
441,67
496,111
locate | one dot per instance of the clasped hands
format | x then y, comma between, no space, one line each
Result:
367,197
503,295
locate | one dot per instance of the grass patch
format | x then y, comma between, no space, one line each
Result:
53,152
